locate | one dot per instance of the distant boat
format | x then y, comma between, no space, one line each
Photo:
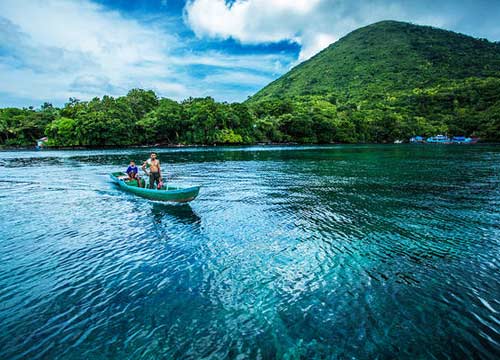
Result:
438,139
417,140
443,139
398,141
464,140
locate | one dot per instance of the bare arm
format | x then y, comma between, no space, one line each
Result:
144,167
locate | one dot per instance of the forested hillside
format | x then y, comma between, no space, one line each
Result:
387,81
387,57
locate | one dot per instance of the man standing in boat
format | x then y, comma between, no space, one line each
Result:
154,170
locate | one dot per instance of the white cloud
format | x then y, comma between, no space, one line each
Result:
315,44
314,24
251,21
55,49
61,48
270,63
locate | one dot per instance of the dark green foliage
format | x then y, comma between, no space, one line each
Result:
95,123
386,81
164,124
113,122
141,102
24,126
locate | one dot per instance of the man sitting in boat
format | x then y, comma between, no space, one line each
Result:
154,170
133,173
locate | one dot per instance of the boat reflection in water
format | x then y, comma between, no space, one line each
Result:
181,213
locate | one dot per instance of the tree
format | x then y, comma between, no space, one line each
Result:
61,132
141,102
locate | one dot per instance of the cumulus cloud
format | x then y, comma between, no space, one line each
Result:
252,21
61,48
314,24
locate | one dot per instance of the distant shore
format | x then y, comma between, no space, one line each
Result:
149,146
177,146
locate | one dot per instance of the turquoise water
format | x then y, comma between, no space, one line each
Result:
312,252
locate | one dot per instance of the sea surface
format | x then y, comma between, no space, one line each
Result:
337,252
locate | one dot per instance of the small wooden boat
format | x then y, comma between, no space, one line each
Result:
166,193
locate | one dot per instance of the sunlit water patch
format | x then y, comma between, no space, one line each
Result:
313,252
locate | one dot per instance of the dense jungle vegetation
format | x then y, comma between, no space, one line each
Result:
386,81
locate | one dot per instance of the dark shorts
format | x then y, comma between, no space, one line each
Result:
153,177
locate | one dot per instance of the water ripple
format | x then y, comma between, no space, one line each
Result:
293,252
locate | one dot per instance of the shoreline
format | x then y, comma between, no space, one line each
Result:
181,146
151,146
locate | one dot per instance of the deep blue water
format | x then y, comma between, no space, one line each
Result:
312,252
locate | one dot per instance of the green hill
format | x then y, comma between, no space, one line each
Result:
387,81
385,57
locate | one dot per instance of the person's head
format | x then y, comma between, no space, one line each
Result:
153,155
132,163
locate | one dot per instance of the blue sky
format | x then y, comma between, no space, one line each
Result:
51,50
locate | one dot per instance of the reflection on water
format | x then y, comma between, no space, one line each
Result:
181,213
305,252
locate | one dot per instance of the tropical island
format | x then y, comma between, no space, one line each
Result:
383,82
146,228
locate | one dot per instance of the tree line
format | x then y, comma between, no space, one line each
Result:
467,107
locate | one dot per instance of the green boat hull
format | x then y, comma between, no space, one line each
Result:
167,193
